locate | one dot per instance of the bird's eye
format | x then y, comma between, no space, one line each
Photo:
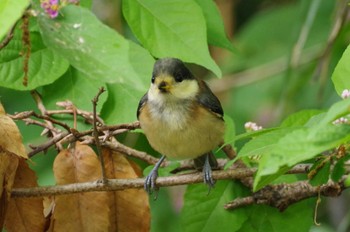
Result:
153,78
178,77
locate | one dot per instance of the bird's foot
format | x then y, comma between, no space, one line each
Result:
150,181
207,175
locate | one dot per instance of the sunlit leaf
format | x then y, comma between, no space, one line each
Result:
44,66
215,26
94,49
203,211
341,73
10,12
174,28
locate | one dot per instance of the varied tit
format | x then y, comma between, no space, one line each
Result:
181,118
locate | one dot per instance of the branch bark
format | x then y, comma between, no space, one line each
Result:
122,184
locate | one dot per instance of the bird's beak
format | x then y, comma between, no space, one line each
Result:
164,86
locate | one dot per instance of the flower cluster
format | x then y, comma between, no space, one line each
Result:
252,126
51,7
341,120
345,94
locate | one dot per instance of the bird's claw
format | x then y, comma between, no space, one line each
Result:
150,183
207,175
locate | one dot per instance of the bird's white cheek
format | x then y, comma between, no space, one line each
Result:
187,89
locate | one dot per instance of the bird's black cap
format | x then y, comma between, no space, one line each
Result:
173,67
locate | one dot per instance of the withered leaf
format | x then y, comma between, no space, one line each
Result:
25,214
130,208
81,211
11,138
11,148
8,166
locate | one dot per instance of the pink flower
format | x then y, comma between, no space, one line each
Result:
51,7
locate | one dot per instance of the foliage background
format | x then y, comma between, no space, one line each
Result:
265,90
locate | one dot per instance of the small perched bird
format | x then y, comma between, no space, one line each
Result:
181,118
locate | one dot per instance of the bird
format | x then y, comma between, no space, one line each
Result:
181,119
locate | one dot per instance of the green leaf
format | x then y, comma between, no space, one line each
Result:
203,212
339,169
10,12
336,111
44,65
215,26
341,73
299,118
347,181
121,105
264,143
75,87
301,145
297,217
322,173
95,49
230,130
305,144
261,178
173,28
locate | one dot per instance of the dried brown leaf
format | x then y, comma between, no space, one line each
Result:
81,211
11,138
130,209
8,166
25,214
11,148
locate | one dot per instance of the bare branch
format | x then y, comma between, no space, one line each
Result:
283,195
96,138
121,184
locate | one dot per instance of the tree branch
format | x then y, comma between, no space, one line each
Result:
121,184
281,196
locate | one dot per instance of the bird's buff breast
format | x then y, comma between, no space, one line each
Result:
177,135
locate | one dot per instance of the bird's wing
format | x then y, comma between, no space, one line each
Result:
142,103
209,100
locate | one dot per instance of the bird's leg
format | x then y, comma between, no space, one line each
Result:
150,181
206,163
207,173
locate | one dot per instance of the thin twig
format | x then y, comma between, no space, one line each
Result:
130,151
37,98
8,37
97,140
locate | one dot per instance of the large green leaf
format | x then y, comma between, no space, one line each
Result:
203,212
215,26
298,146
299,118
336,111
264,143
75,87
10,12
95,49
297,217
341,73
121,105
44,65
174,28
